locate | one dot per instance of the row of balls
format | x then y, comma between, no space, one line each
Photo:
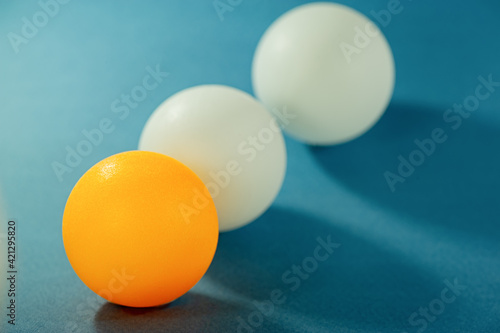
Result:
140,228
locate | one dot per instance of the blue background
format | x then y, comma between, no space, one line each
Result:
397,249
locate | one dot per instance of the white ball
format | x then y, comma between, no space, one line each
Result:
230,141
330,66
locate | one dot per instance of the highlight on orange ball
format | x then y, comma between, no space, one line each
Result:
126,232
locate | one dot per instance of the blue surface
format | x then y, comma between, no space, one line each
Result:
397,248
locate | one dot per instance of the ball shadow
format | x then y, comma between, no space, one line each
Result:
455,187
359,286
191,313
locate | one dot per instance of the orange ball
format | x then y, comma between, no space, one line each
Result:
126,232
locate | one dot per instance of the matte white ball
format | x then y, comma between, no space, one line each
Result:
330,66
230,141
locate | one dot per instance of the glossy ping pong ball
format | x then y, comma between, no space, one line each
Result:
125,233
230,141
330,66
